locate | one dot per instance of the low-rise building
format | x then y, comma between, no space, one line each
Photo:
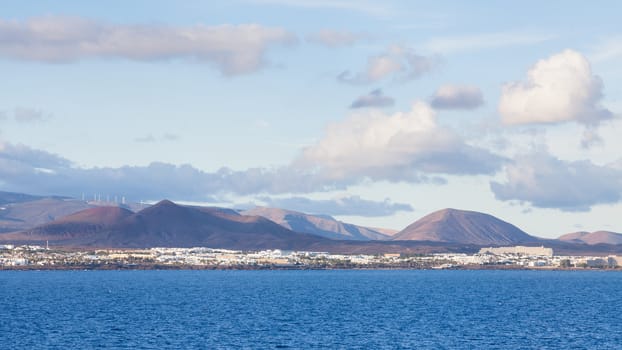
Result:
518,250
614,260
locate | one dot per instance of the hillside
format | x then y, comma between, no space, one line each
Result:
324,226
17,216
76,225
167,224
464,227
598,237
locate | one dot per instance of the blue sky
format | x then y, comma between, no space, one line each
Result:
377,112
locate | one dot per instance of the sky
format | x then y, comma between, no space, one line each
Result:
375,112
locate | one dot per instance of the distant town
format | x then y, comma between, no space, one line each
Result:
28,257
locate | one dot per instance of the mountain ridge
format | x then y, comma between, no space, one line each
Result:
591,238
167,224
321,225
170,224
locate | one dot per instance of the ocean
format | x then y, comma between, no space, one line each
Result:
346,309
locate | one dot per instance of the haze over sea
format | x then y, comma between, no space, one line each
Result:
310,309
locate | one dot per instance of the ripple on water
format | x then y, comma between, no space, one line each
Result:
310,309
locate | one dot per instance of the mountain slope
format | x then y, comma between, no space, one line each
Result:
465,227
317,225
19,216
167,224
598,237
88,221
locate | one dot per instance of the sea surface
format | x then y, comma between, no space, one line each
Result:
310,309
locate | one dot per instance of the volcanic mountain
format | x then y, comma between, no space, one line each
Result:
464,227
324,226
88,221
167,224
598,237
26,214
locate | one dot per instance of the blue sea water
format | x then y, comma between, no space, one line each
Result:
310,309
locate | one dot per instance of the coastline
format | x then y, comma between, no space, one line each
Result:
165,267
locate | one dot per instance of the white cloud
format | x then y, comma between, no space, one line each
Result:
457,97
373,99
561,88
398,147
233,49
406,146
24,169
24,155
335,38
397,62
547,182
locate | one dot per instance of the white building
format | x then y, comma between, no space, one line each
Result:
518,250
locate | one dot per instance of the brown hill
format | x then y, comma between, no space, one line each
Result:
97,216
18,216
78,225
324,226
598,237
167,224
464,227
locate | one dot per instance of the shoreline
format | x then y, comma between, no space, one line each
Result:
163,267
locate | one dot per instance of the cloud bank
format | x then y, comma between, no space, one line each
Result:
24,169
407,146
398,147
232,49
547,182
